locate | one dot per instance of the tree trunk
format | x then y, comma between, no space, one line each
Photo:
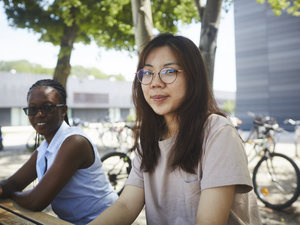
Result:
63,66
210,20
142,20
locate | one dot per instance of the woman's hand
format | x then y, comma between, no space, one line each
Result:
20,179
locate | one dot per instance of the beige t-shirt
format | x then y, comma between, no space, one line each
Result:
173,197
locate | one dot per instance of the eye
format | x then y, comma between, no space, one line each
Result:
169,71
146,72
48,108
32,109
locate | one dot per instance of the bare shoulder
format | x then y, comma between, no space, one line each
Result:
76,142
77,148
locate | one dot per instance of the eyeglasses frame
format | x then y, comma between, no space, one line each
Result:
153,73
40,108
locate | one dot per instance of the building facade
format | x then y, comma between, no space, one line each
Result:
89,100
267,63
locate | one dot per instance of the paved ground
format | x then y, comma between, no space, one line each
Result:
15,154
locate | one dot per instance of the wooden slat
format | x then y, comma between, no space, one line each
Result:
39,217
7,218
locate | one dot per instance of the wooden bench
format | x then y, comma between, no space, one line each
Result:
12,213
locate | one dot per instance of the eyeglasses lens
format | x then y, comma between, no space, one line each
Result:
145,76
168,75
32,111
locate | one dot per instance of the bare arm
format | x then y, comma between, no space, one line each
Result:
214,205
20,179
125,210
75,153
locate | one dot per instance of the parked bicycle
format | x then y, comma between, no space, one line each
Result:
276,177
296,123
264,127
115,135
34,141
117,165
77,122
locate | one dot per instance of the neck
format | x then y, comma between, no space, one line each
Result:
170,129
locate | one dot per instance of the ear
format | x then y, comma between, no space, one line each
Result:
64,110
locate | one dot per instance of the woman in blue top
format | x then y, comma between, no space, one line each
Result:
67,163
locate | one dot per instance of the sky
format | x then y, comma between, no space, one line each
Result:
19,44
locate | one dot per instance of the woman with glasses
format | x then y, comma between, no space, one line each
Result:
190,166
66,163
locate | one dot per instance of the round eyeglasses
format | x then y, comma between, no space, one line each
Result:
46,109
167,75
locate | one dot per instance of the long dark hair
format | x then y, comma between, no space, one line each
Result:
62,96
199,103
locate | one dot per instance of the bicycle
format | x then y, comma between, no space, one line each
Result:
117,166
276,177
296,123
34,141
263,127
114,135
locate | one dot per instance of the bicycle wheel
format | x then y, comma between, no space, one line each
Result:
110,139
126,138
117,166
31,142
276,180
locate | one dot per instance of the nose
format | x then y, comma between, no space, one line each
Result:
39,113
157,82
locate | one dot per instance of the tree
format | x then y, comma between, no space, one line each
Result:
65,22
168,14
279,5
229,106
23,66
164,16
210,15
142,21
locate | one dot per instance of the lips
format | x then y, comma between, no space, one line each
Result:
159,98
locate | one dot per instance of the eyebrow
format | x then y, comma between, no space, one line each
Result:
167,64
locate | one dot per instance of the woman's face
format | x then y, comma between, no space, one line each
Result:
163,98
46,124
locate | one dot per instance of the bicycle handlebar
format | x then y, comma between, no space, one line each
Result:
293,122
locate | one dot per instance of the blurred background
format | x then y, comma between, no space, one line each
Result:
256,49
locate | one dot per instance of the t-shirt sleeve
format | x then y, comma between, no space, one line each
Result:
224,160
136,175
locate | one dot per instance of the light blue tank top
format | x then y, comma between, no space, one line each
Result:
88,193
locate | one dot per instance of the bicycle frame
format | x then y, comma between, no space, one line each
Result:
263,143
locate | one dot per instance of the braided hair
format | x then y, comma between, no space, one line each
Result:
62,97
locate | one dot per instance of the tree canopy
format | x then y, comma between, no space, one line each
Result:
65,22
23,66
292,7
106,22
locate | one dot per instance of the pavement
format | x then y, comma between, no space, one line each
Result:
15,154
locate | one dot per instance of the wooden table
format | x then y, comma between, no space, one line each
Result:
12,214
